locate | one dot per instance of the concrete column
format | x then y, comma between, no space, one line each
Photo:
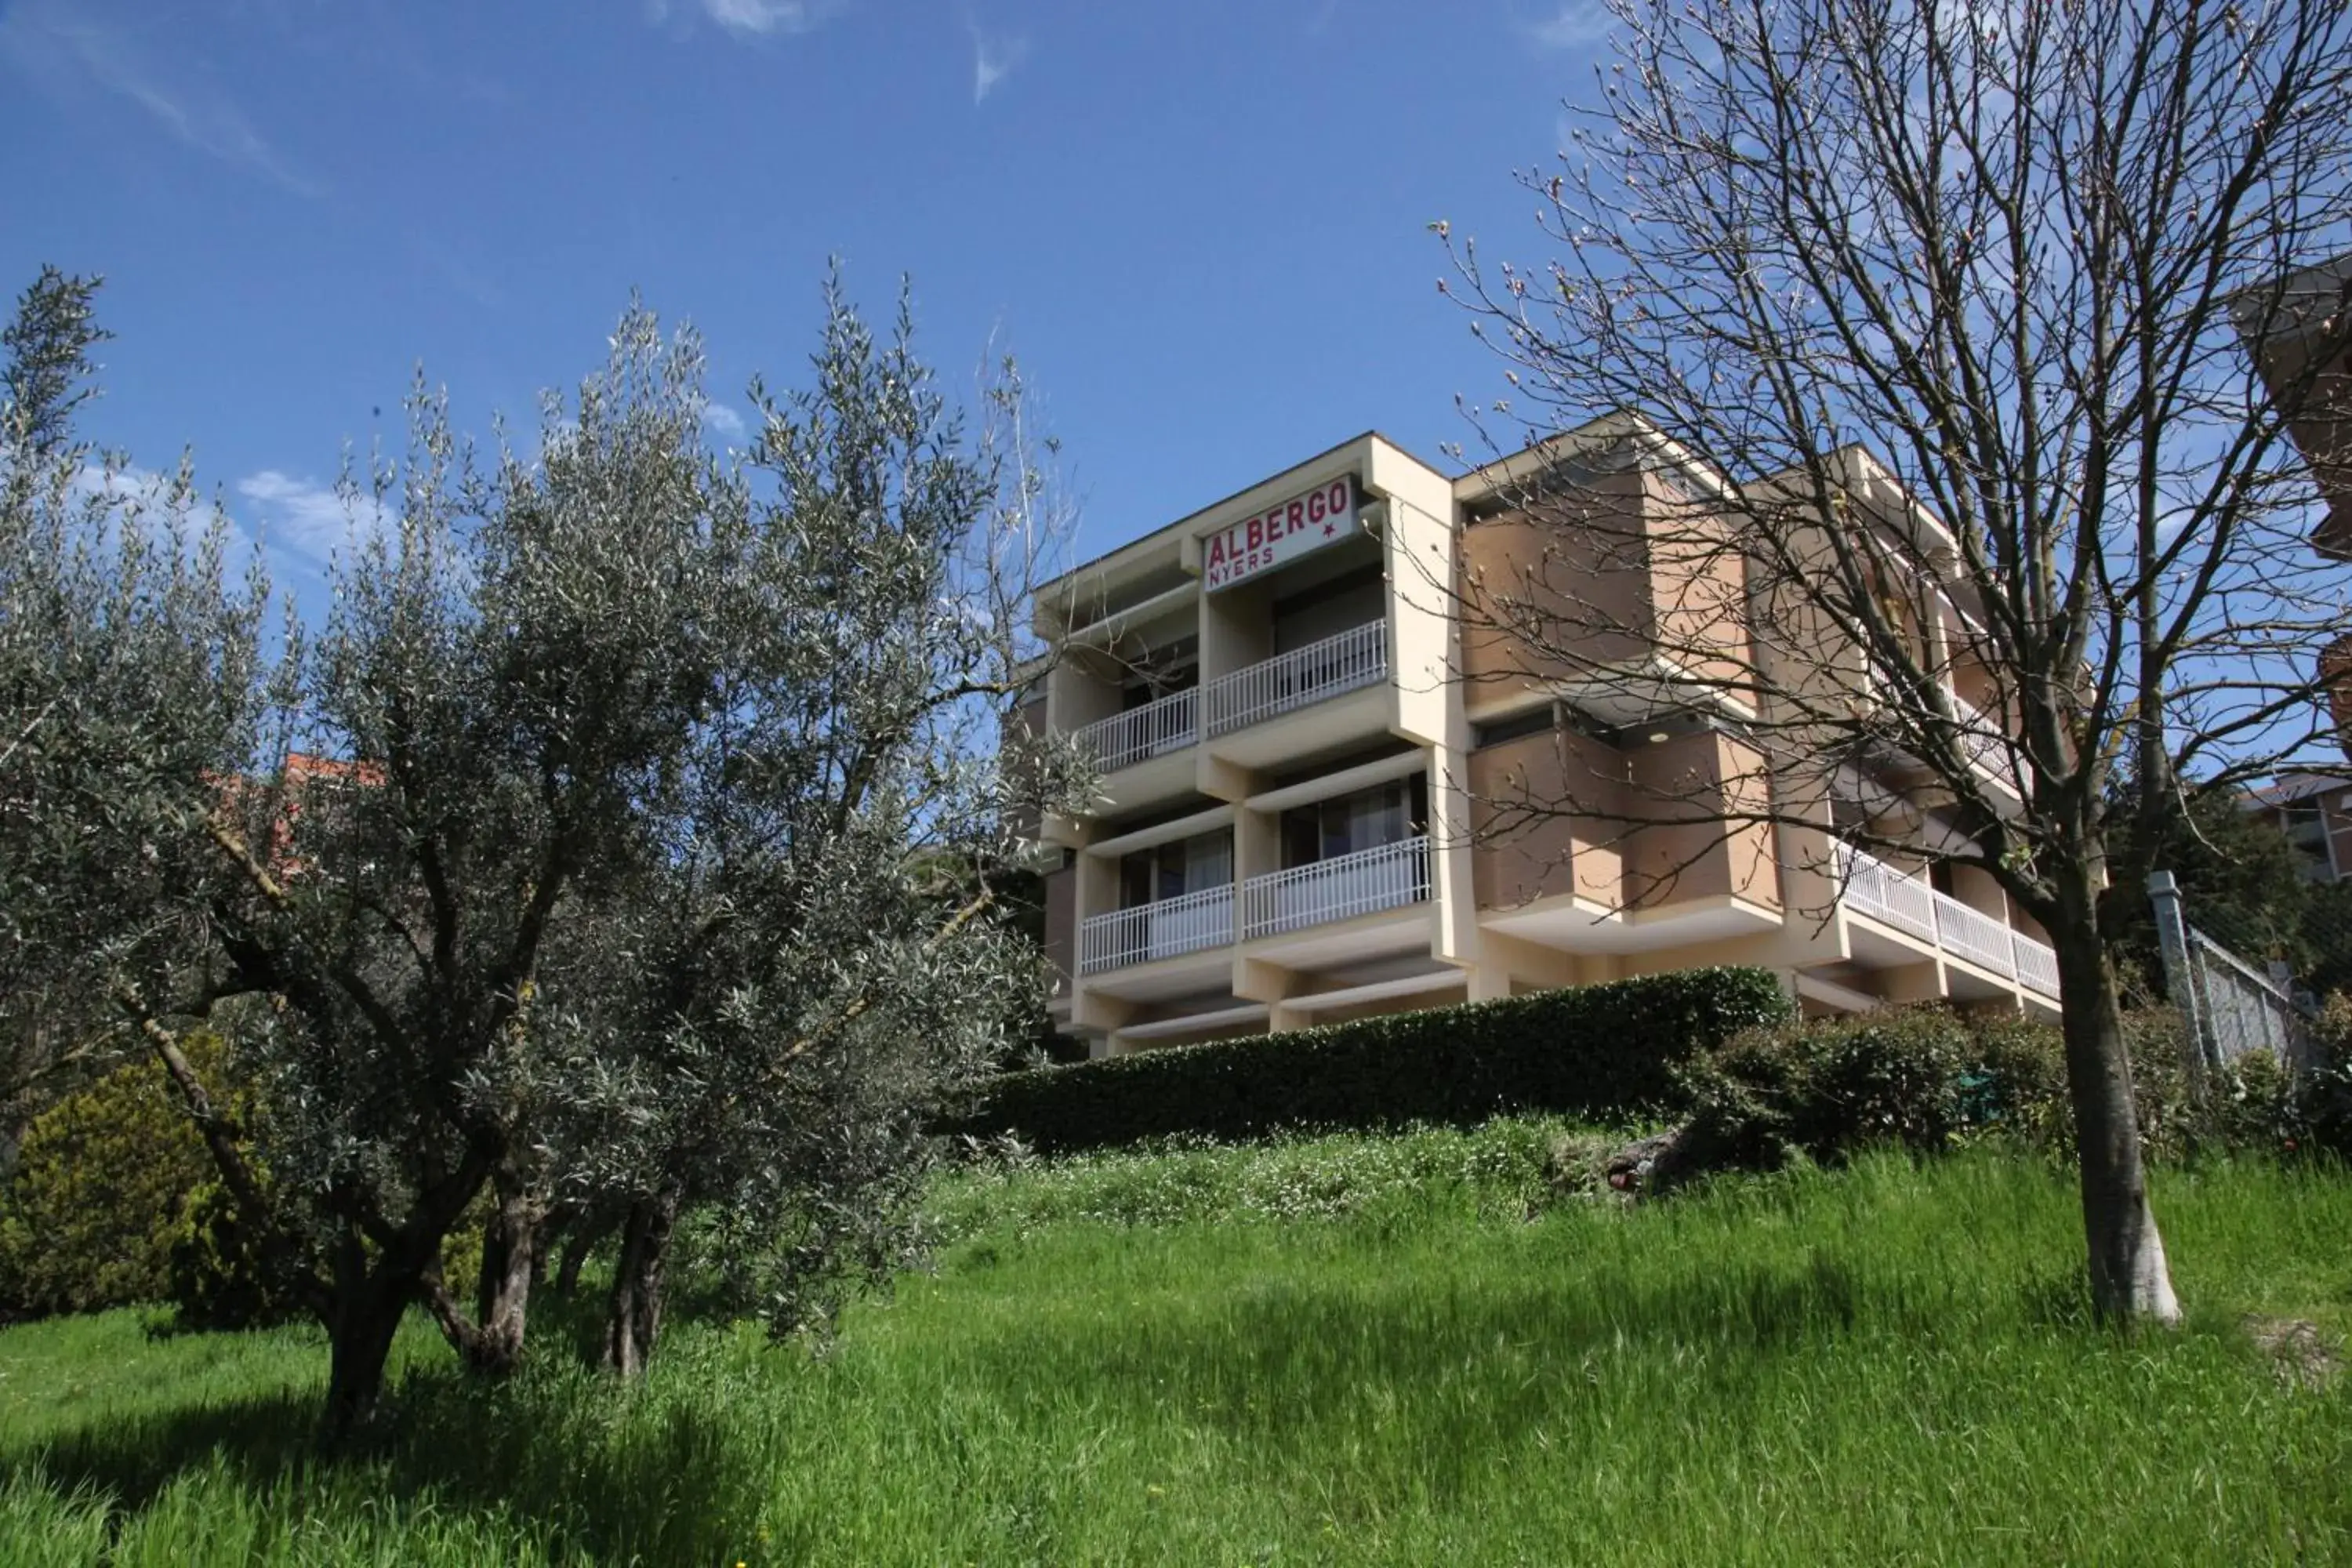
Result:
1486,982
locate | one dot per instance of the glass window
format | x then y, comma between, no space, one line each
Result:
1534,722
1171,871
1367,819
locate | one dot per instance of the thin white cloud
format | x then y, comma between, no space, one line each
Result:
753,18
1577,23
60,44
163,503
309,519
992,60
723,419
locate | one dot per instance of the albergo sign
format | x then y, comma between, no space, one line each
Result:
1300,526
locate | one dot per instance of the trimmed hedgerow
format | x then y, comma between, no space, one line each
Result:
1601,1052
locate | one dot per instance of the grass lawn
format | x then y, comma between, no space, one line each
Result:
1352,1350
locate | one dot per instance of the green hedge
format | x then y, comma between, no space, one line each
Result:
102,1184
1595,1051
1926,1077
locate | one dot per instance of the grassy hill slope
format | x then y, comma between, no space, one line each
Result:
1349,1350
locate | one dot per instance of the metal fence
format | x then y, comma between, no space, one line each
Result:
2230,1006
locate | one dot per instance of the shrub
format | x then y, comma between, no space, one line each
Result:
1826,1088
2323,1094
1507,1168
1601,1052
115,1200
102,1181
1922,1077
216,1274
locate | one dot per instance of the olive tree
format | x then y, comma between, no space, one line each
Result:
576,852
819,950
1932,318
130,677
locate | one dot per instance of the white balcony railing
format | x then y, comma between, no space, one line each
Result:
1974,935
1983,745
2037,965
1339,889
1167,928
1877,890
1356,657
1170,724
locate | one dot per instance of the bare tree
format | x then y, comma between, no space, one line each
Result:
1923,324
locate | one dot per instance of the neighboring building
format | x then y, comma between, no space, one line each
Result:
1308,771
2285,328
306,783
2315,812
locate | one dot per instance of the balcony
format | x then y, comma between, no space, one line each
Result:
1356,657
1873,887
1168,929
1366,882
1171,724
1981,744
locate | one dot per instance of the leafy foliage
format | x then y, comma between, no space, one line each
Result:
1927,1079
101,1194
115,1201
130,683
587,854
1597,1051
2245,881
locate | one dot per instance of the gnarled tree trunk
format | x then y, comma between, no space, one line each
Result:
634,1321
368,1304
502,1297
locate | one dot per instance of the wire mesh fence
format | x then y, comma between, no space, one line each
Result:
2230,1006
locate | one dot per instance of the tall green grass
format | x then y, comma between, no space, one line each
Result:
1342,1351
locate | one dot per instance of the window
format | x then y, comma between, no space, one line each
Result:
2306,829
1162,672
1384,813
1171,871
1350,600
1537,721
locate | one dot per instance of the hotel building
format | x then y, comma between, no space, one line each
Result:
1308,767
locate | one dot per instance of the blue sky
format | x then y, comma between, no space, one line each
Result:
1202,227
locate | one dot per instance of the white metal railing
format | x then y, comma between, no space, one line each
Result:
1339,889
1170,724
1983,745
1356,657
1877,890
1975,936
2037,965
1166,928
